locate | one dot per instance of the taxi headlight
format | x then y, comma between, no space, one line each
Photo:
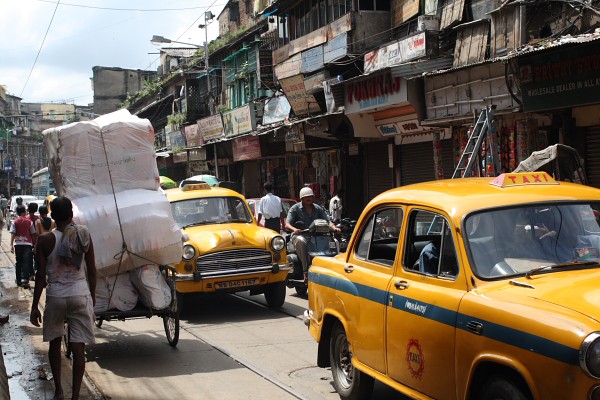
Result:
188,252
589,355
278,243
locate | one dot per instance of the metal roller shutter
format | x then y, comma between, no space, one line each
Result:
416,163
380,177
592,158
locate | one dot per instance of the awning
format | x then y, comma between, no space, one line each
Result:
157,110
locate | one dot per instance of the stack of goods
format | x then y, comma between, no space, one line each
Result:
107,167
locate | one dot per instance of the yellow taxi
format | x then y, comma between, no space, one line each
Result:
475,288
224,249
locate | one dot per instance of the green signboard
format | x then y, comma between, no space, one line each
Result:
561,78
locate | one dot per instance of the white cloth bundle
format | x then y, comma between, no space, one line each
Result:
152,288
78,161
124,296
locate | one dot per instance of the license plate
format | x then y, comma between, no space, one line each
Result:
234,284
332,245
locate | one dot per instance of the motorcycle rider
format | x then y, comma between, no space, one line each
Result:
306,211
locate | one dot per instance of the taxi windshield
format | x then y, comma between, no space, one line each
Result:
514,241
210,210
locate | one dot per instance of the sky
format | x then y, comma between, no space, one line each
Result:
77,35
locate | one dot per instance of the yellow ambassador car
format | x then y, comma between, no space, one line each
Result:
474,288
225,250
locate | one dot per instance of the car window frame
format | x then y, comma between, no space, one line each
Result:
408,240
362,229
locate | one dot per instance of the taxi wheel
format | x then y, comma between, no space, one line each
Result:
500,388
275,294
350,383
301,290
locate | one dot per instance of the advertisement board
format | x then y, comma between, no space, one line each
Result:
192,136
239,121
246,148
295,92
211,128
276,109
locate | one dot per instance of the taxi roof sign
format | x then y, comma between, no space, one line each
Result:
523,179
195,186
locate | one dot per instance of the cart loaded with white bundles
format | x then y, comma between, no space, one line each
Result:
107,168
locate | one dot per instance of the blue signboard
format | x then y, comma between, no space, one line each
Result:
312,59
8,166
335,48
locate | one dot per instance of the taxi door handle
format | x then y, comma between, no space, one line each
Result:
401,285
349,269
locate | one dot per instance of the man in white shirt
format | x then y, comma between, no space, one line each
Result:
271,209
335,205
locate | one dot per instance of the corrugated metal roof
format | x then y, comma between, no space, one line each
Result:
179,51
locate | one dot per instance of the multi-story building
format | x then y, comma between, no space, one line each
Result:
375,94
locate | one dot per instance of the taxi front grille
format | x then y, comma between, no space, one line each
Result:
233,262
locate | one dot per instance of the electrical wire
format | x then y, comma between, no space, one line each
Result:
130,9
40,49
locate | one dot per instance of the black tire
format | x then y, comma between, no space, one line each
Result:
275,294
350,383
171,324
301,290
499,387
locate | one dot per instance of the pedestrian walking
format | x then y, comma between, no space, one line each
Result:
31,210
22,240
3,205
67,270
271,209
335,205
44,223
19,202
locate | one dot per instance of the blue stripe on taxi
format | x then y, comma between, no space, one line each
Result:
493,331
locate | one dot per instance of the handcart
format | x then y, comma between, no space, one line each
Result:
170,314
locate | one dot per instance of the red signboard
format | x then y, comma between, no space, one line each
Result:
246,148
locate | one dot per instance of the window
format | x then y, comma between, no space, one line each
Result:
374,5
430,247
379,240
322,13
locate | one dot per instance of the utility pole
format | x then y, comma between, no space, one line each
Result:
208,16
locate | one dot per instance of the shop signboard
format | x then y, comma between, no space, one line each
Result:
239,121
197,154
312,59
295,92
398,52
561,78
198,167
8,166
388,129
412,126
295,133
192,136
180,157
335,48
281,54
314,82
276,109
176,140
402,10
246,148
211,128
288,68
376,91
339,26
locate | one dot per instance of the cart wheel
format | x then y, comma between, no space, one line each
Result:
171,323
99,322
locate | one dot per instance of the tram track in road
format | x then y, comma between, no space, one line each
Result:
247,364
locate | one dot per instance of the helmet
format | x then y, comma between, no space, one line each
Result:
305,192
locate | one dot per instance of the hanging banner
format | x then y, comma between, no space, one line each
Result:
239,121
246,148
295,92
211,128
176,140
276,109
180,157
192,136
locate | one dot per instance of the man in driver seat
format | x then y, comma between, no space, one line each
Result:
306,211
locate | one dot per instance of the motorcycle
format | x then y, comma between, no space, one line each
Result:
346,226
320,242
